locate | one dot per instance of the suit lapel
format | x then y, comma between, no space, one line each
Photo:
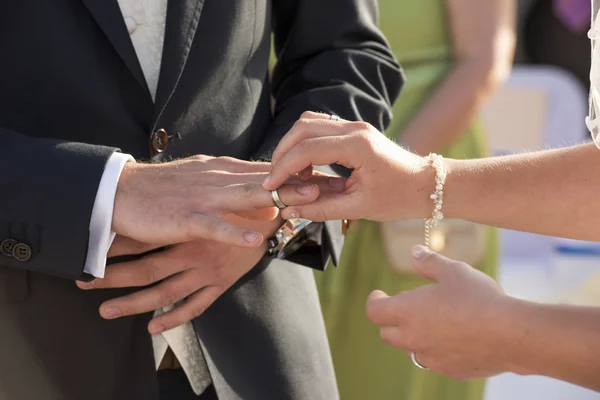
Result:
182,21
110,19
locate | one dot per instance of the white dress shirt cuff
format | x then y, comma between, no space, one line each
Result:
101,236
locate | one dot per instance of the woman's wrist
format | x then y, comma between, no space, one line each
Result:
424,185
457,182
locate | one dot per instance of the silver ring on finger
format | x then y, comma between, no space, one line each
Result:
413,357
277,200
334,117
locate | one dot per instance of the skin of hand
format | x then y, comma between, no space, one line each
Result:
197,272
376,186
183,200
456,326
200,270
483,39
545,192
464,326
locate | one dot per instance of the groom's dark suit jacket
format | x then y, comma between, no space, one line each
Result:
72,92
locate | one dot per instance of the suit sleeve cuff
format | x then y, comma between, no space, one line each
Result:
101,236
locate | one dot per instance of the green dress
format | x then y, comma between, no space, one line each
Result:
367,368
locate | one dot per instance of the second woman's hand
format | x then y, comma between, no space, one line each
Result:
462,325
387,182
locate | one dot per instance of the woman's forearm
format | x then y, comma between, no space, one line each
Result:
559,341
550,192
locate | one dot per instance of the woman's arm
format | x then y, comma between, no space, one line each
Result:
483,43
560,341
548,192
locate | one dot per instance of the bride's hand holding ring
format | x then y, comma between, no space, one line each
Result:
387,182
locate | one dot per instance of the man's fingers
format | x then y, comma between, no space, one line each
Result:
192,307
229,164
250,195
235,165
262,214
331,206
200,226
167,293
224,178
385,310
123,245
343,150
143,272
292,195
327,183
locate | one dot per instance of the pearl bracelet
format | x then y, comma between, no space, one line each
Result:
437,162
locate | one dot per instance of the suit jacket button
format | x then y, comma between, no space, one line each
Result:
7,247
159,141
22,252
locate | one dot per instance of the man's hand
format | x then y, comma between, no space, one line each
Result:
456,326
183,200
126,246
198,271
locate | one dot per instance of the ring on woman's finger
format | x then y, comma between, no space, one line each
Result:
413,357
334,117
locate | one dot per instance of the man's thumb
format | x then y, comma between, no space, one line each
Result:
429,264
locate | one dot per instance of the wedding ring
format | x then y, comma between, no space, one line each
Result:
334,117
413,357
277,200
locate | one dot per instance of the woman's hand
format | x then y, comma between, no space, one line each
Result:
461,326
464,326
387,182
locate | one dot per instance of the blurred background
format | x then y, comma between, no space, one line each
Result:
466,97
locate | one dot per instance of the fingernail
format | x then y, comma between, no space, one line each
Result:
419,251
110,312
294,214
267,181
156,329
250,237
305,190
337,183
